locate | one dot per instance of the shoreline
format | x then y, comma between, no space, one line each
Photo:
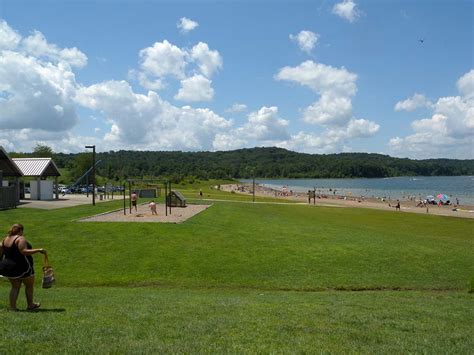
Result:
463,211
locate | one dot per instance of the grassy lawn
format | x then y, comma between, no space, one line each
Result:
152,320
243,277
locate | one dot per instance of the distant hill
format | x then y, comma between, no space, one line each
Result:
265,163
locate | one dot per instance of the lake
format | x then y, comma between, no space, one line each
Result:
461,187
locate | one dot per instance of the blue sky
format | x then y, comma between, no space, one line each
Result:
310,76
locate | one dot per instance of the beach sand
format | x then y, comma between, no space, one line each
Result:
463,211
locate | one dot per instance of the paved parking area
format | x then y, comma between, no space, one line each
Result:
64,201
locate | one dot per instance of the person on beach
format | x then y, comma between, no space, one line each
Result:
17,265
134,198
152,206
397,207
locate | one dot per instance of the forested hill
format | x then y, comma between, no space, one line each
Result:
263,162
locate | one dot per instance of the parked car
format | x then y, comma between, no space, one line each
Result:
64,190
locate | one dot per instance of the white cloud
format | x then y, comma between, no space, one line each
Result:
186,25
195,88
161,60
148,122
412,103
164,60
347,10
465,84
332,111
9,39
321,78
331,140
329,110
235,108
335,86
263,127
36,94
358,128
37,46
266,125
306,40
449,132
26,139
207,60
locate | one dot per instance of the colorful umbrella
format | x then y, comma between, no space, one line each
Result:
442,196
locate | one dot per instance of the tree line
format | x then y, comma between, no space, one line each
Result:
245,163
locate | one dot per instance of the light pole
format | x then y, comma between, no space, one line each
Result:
93,173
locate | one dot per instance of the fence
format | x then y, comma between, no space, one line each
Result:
8,197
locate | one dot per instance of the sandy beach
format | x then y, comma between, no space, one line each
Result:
463,211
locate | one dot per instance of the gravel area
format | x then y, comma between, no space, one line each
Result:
178,214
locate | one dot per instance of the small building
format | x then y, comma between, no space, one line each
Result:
40,168
9,181
176,199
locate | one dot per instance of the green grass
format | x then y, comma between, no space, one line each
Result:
131,320
243,277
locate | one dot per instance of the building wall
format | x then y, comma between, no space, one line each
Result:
46,190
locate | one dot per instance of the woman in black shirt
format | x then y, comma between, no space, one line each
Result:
17,265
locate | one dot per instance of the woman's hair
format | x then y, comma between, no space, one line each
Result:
16,229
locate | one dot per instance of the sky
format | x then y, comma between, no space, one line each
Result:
390,77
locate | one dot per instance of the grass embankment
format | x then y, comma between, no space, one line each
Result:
230,279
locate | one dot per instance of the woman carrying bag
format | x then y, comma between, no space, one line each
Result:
17,265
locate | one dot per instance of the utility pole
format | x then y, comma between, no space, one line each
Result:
93,172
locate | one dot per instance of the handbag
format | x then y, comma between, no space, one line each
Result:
48,274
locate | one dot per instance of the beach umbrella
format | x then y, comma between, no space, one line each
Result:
430,197
442,196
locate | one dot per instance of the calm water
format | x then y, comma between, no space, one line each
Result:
461,187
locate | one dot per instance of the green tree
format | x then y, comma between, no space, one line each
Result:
82,163
42,151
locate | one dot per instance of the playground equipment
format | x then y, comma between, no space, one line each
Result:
158,183
176,199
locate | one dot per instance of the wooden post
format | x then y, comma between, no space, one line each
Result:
129,196
57,187
166,198
39,187
17,191
170,196
253,200
124,205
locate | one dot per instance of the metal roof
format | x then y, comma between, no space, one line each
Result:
7,166
37,166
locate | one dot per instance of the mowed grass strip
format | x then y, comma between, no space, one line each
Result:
261,246
152,320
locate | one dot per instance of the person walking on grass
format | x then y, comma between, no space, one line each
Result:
17,265
134,198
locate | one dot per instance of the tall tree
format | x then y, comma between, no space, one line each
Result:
42,151
82,163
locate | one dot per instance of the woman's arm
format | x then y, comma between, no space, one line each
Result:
22,247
